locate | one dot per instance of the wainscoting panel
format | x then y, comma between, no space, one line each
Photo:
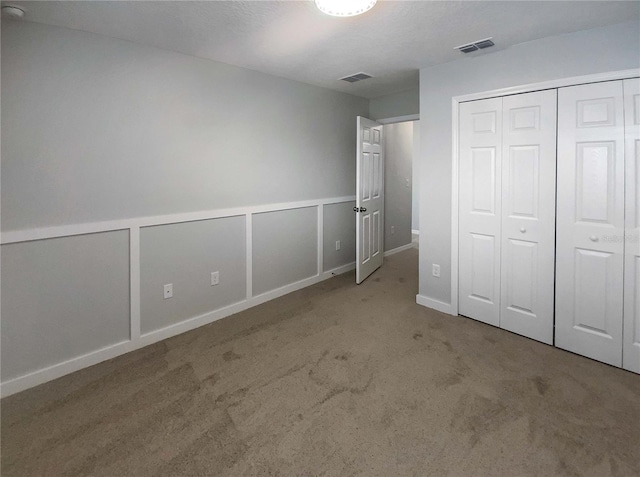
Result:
76,295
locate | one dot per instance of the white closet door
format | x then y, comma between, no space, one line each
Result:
528,214
590,216
480,126
631,344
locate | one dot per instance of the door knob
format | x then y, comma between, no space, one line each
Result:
593,238
363,209
523,230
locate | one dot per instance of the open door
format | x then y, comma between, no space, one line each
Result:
370,198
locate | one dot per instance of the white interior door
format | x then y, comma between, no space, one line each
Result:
370,199
480,197
631,340
528,214
590,221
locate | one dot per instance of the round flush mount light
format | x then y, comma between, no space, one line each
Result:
15,13
344,8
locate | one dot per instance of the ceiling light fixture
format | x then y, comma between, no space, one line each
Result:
344,8
15,13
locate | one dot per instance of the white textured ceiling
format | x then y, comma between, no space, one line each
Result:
292,39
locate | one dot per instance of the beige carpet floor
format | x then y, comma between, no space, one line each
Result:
333,380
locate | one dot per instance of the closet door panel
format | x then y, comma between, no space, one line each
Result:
480,126
631,340
590,221
528,217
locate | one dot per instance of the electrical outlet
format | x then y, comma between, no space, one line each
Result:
168,291
393,229
337,244
215,278
436,270
407,184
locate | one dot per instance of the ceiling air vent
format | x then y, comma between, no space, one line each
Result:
476,45
355,78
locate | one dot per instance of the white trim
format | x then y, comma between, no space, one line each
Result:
60,369
454,206
320,238
248,233
26,235
415,232
527,88
435,304
402,248
134,282
75,364
551,84
399,119
133,226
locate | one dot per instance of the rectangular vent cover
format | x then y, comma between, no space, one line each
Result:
476,45
355,78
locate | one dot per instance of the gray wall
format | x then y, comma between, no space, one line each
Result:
62,298
599,50
398,178
395,105
185,255
285,245
96,128
339,224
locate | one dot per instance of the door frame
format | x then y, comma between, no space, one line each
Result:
399,119
526,88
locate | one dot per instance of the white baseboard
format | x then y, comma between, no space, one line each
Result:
434,304
398,249
75,364
66,367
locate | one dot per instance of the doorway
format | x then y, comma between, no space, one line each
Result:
398,226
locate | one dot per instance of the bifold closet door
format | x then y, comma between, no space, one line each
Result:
507,212
631,340
528,214
590,221
480,196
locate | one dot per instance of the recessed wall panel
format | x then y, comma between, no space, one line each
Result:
185,255
285,248
339,224
63,298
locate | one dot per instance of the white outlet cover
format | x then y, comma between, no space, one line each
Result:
337,244
436,271
215,278
168,291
